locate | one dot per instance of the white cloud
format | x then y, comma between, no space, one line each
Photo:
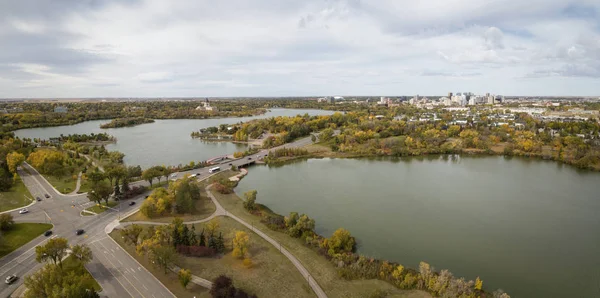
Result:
271,47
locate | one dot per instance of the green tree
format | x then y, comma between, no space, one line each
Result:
53,282
163,256
82,253
340,242
6,221
55,250
250,202
100,191
96,176
131,234
185,276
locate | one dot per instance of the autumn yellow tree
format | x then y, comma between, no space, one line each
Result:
241,241
212,226
478,283
13,160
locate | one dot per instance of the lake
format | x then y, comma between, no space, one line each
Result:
530,227
164,142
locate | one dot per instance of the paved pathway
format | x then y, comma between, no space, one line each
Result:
78,185
220,211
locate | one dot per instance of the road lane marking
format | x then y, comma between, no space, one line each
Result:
122,273
111,273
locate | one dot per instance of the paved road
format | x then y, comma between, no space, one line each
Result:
116,271
111,266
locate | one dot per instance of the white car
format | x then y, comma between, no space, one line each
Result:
10,279
23,211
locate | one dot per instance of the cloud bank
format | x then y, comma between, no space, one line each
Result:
154,48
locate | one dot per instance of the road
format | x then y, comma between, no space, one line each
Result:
116,271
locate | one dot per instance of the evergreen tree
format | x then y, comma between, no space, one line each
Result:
176,237
202,241
220,243
192,237
212,243
185,236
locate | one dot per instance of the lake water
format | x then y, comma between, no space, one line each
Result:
164,142
530,227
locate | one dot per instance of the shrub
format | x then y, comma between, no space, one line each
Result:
6,222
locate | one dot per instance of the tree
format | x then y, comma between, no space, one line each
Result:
100,191
222,287
6,221
125,185
134,171
96,176
202,241
478,284
212,226
82,253
220,243
340,242
249,203
149,175
313,138
185,276
185,236
14,159
52,282
193,238
291,220
241,241
132,233
163,256
55,250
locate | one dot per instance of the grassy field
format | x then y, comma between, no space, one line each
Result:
20,234
71,264
204,208
65,184
271,275
320,268
170,280
15,198
102,208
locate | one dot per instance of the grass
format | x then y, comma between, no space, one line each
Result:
64,184
15,197
101,208
21,234
271,275
169,280
86,186
71,264
320,268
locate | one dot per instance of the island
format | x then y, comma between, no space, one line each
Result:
126,122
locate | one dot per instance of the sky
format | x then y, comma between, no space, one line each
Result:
157,48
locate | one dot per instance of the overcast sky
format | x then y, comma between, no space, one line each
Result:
158,48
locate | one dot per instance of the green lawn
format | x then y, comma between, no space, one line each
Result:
170,280
320,268
86,186
19,235
15,198
64,184
102,207
71,264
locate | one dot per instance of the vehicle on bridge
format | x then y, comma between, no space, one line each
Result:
215,169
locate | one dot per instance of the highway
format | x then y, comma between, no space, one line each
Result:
116,271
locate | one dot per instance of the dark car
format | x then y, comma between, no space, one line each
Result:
230,164
47,233
131,203
38,199
79,232
146,197
47,196
249,158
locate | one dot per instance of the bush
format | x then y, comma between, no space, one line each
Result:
6,221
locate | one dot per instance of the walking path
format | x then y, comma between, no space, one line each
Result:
78,185
220,211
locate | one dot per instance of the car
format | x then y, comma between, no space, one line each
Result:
10,279
146,197
47,196
79,232
131,203
23,211
38,199
48,233
249,158
230,164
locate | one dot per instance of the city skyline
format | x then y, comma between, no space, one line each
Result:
267,48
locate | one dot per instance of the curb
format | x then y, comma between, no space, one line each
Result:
8,211
56,190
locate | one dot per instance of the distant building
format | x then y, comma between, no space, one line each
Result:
206,106
61,109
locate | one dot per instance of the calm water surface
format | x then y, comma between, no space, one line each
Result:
164,142
530,227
